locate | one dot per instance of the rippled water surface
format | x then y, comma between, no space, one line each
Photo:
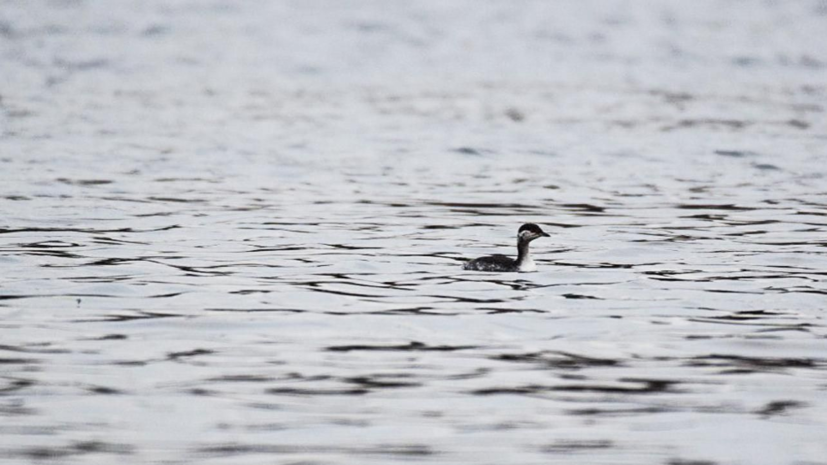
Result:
233,232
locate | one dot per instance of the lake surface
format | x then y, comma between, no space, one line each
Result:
232,232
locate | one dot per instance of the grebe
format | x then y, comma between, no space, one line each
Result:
527,233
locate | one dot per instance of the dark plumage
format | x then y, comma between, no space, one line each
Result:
527,233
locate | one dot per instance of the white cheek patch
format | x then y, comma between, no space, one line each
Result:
525,234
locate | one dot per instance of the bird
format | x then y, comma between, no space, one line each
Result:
527,233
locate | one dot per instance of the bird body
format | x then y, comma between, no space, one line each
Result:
527,233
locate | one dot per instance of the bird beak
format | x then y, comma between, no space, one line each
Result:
545,235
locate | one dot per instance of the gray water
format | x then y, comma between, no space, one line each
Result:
232,232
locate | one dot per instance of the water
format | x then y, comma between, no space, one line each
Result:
233,233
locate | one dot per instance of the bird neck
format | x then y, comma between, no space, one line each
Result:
523,254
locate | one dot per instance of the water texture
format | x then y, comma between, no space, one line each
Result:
232,232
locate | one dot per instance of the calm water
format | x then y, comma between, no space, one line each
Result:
233,233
